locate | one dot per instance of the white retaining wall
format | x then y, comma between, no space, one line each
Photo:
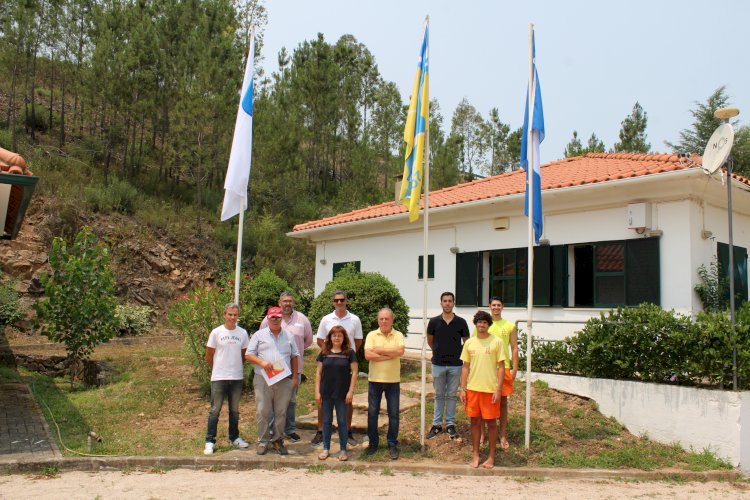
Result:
696,418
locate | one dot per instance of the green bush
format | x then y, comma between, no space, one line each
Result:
118,196
644,343
713,290
550,356
367,293
9,311
649,344
133,320
195,315
202,310
78,306
257,295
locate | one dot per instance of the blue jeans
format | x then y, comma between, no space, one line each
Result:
375,392
328,405
220,390
445,379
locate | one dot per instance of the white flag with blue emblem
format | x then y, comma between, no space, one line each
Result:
238,172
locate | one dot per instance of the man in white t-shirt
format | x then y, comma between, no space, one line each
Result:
225,353
353,326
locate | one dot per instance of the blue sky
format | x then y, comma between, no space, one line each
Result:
595,58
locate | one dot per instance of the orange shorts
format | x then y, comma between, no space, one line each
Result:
507,388
479,404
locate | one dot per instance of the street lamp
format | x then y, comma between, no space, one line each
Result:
726,114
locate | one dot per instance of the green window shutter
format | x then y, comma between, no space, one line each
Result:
740,270
642,272
559,276
542,275
468,278
430,267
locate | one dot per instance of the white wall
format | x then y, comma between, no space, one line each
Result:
697,418
392,246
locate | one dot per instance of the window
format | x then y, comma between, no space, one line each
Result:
616,273
430,267
338,266
740,271
508,275
604,274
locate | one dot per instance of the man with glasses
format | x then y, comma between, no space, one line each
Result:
296,324
272,350
353,326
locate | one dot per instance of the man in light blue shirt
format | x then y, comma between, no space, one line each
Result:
272,350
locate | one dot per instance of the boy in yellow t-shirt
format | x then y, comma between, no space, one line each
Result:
481,384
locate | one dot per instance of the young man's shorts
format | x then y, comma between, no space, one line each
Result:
507,388
479,404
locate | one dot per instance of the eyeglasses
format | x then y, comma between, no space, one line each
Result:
338,301
275,319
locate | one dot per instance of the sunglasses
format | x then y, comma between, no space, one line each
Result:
275,319
338,301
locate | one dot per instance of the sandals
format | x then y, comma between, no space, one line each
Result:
343,457
323,455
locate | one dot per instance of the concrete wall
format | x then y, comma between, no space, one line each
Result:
696,418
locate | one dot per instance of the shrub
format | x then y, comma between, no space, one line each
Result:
650,344
367,293
133,320
118,196
257,295
643,342
9,311
195,315
79,305
548,356
713,290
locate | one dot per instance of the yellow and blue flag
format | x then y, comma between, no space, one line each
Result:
415,135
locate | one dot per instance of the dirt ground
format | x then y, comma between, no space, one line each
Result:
182,484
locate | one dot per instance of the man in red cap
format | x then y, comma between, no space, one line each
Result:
275,355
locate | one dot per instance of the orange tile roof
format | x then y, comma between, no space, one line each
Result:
576,171
13,163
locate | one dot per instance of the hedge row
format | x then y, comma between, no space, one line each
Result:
647,343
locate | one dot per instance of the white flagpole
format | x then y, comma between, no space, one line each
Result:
530,258
425,266
238,263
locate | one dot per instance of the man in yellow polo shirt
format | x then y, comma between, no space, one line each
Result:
481,384
383,349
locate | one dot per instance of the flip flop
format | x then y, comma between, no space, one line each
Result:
323,455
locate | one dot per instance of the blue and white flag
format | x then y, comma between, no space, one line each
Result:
238,172
537,136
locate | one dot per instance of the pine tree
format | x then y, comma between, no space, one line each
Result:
633,132
694,139
574,147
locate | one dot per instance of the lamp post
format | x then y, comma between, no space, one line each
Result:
726,114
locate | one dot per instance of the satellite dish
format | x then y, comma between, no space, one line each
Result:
718,148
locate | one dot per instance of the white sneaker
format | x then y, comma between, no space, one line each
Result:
240,443
209,449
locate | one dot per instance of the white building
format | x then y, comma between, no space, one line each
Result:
619,229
